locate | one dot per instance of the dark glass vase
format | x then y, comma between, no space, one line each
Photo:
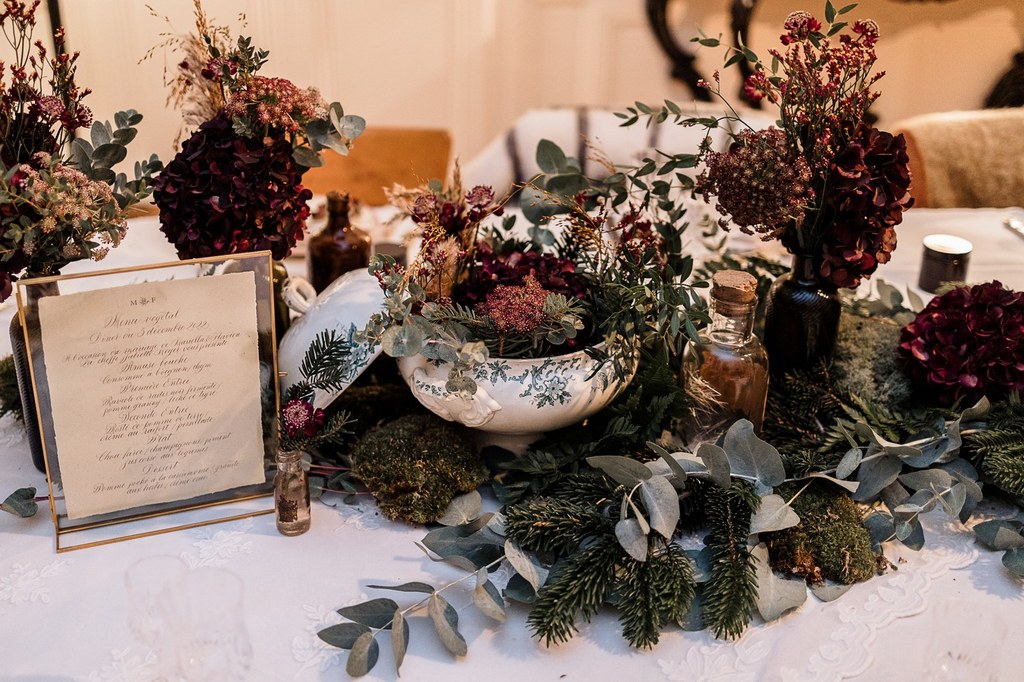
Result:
30,414
801,318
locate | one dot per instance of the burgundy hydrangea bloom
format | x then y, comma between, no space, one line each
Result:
557,275
968,343
868,193
299,417
226,193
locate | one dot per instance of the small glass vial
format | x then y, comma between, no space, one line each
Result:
730,358
339,248
291,493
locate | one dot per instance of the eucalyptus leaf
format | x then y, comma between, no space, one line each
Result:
752,457
487,598
971,486
667,457
525,565
622,470
773,514
662,502
462,509
550,157
827,592
875,475
376,613
343,635
927,478
717,463
953,500
849,462
999,535
632,538
399,639
852,486
446,624
518,589
775,595
904,452
1013,560
109,155
406,587
881,528
363,655
645,527
21,503
304,156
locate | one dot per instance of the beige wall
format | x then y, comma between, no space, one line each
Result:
472,66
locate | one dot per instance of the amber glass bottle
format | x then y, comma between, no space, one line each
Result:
339,248
730,358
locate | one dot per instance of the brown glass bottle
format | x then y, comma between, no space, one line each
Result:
339,248
730,358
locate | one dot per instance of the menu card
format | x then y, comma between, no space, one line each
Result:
155,391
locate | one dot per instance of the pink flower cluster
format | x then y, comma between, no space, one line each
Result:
276,102
516,309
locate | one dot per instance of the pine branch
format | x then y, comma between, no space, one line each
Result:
323,359
575,589
731,591
999,448
548,524
654,592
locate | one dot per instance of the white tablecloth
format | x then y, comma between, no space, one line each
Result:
65,617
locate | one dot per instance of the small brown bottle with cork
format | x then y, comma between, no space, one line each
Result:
730,359
339,248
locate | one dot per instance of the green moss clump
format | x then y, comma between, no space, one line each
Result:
830,541
414,466
866,363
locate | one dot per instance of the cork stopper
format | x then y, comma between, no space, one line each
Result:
733,286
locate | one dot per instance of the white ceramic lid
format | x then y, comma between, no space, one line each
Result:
345,306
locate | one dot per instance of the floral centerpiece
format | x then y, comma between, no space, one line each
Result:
60,199
553,321
826,183
236,184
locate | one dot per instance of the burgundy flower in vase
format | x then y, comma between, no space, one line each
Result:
226,193
867,195
968,343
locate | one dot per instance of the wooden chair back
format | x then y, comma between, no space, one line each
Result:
379,158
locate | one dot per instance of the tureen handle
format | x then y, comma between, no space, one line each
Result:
470,410
298,294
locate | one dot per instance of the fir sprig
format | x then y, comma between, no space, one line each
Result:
550,524
731,592
575,591
999,449
654,592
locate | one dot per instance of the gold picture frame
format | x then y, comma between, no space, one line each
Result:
159,517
